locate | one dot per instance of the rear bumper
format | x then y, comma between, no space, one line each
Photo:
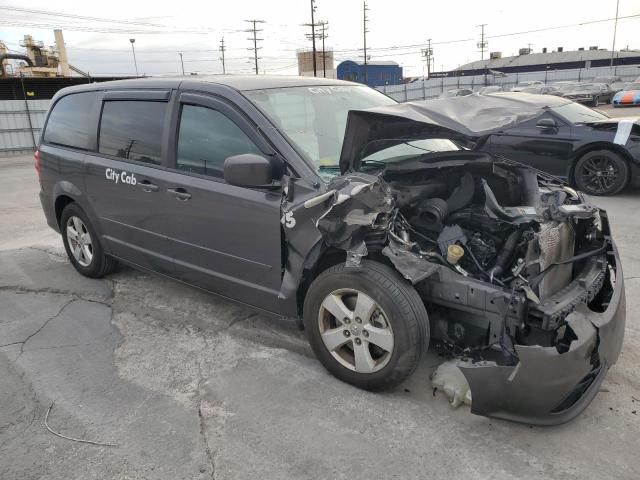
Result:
547,387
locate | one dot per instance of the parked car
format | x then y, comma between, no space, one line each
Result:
615,84
366,220
587,148
490,89
630,96
456,92
589,93
540,90
528,83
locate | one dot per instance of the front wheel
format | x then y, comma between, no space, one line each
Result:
601,172
367,325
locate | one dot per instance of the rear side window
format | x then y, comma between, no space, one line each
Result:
207,138
132,130
70,120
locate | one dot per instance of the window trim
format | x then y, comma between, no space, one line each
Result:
133,96
234,114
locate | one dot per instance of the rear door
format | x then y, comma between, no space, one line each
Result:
224,238
548,150
126,177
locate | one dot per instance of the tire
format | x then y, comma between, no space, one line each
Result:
78,233
601,172
402,314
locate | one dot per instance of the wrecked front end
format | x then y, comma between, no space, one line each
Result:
520,276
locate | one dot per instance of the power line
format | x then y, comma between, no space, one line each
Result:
462,40
81,17
94,29
255,40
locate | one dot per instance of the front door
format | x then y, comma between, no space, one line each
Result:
125,179
547,149
224,238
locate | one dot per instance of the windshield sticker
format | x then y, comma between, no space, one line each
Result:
327,90
624,130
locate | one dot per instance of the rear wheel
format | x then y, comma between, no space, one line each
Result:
82,244
367,325
601,172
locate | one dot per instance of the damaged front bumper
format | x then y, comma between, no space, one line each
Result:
547,387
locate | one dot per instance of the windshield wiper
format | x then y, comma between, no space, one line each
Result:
373,163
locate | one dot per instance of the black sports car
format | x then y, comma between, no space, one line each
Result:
598,154
591,94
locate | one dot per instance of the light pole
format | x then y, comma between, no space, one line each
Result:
135,63
181,63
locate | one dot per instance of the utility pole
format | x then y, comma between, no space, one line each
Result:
482,45
222,49
313,37
135,63
255,40
365,9
324,25
181,63
615,28
427,53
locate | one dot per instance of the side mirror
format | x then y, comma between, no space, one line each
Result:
249,170
546,124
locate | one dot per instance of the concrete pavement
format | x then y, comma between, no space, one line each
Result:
191,386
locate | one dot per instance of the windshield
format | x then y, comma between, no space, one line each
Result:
314,118
633,86
577,113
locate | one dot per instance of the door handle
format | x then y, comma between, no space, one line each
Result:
147,186
179,193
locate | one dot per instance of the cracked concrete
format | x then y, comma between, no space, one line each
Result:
191,386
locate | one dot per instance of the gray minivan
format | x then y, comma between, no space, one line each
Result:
376,225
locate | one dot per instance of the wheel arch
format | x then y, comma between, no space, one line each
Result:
325,258
590,147
60,203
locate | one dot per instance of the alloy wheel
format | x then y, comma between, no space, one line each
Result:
355,330
599,175
79,240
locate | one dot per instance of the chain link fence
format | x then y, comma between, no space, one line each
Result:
433,87
21,122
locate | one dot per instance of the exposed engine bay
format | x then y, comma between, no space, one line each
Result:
496,224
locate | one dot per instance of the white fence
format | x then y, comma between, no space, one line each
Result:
433,87
20,125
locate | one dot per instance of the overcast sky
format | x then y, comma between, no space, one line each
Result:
195,28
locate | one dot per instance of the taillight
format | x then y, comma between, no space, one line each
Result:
36,155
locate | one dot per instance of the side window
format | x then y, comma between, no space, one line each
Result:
206,139
70,120
132,129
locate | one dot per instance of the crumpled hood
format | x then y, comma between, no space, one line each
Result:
463,119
